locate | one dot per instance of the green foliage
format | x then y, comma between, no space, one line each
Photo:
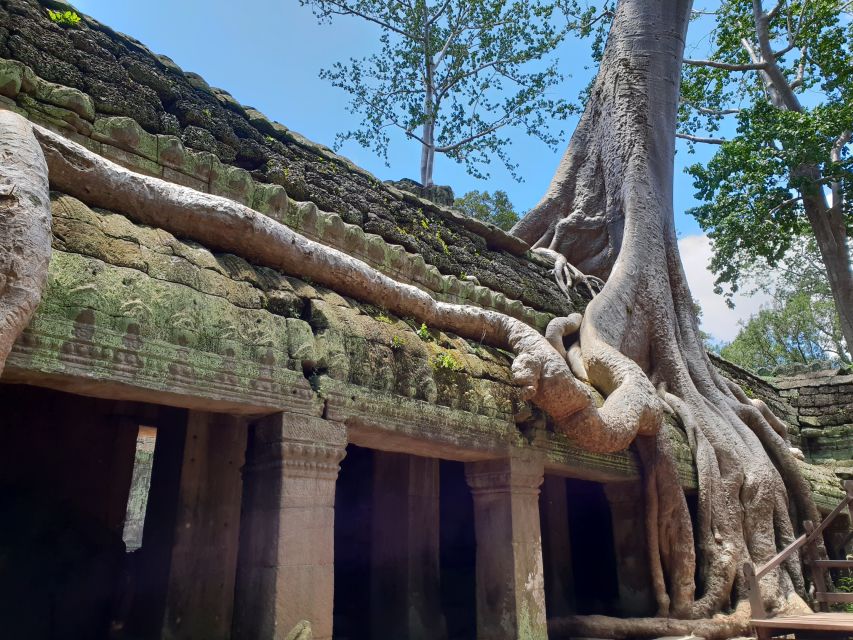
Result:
383,317
453,75
844,584
495,208
800,326
441,241
64,18
397,343
424,333
753,187
446,361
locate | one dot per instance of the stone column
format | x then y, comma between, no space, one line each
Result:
405,580
510,585
200,593
627,511
287,544
556,548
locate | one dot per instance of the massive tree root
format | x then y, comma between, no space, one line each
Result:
609,211
24,228
222,224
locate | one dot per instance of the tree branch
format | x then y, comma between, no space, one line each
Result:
494,127
725,65
450,39
782,205
691,138
439,13
835,156
346,10
711,112
775,10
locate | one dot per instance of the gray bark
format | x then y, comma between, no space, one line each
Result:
609,211
24,228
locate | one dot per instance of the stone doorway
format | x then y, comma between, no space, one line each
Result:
592,548
404,548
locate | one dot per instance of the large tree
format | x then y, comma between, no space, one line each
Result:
609,211
785,74
452,75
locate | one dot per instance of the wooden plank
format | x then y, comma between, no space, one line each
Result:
780,557
815,622
845,502
755,601
843,598
818,577
835,564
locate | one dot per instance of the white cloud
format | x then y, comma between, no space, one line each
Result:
717,319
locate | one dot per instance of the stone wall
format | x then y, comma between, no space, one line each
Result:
133,312
71,78
824,404
818,409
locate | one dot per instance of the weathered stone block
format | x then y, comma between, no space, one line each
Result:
178,177
11,77
126,134
131,160
66,97
270,199
231,182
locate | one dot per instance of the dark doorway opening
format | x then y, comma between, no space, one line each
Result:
591,539
458,553
556,547
66,469
353,516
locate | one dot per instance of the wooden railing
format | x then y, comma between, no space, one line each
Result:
809,542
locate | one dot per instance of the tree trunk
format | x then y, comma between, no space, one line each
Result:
24,228
427,153
608,210
827,223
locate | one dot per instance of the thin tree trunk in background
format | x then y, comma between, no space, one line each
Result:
827,223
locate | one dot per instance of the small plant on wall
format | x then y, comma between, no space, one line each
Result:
64,18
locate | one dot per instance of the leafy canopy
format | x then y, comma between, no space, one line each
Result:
753,187
801,324
469,68
495,208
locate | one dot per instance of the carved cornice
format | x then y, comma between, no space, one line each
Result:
509,475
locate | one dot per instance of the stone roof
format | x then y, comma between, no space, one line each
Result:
121,77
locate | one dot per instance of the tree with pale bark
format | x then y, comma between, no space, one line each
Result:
452,76
784,73
607,213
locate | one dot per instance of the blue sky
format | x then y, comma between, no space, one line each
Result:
268,54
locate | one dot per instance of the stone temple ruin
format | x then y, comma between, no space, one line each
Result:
199,446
